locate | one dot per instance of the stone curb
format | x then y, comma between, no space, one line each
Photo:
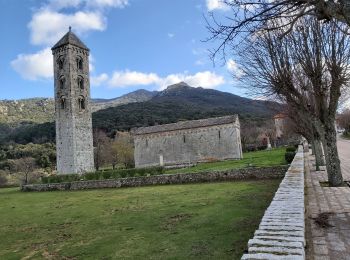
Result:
281,233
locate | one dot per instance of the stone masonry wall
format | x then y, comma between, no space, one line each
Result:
189,146
229,175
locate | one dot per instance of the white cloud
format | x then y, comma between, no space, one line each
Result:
216,5
98,80
233,68
47,27
60,4
107,3
131,78
50,22
34,66
205,79
87,4
171,35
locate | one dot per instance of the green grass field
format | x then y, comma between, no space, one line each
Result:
200,221
264,158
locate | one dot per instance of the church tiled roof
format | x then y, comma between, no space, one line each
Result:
70,38
186,125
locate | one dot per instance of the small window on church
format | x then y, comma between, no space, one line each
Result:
80,82
184,139
79,63
63,102
62,81
60,62
219,134
81,103
146,142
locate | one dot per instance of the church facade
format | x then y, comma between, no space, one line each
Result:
188,142
74,143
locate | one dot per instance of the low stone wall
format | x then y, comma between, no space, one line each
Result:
281,233
181,178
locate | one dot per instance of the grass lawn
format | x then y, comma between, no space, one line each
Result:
199,221
264,158
346,136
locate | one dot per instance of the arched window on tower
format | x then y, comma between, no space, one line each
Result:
80,82
62,82
79,63
63,102
60,62
81,103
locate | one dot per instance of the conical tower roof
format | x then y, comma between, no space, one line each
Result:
70,38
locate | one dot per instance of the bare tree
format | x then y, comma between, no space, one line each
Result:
301,124
248,17
102,149
307,70
25,166
124,150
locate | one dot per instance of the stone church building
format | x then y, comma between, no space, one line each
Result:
188,142
72,106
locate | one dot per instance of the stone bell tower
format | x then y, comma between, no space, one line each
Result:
72,106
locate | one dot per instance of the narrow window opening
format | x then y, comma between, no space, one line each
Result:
60,63
80,82
63,103
146,142
184,139
79,63
219,134
81,102
62,81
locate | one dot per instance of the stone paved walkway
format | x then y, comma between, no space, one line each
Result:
328,241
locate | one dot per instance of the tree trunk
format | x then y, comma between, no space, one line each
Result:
335,177
313,146
318,153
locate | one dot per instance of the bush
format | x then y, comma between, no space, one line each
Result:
3,179
291,149
103,175
60,178
289,156
261,147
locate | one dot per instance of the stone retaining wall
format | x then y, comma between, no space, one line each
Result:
281,233
181,178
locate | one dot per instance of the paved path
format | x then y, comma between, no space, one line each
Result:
328,234
344,154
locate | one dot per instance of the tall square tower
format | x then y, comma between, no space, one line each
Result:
74,144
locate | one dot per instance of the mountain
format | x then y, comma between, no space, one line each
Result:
182,102
175,103
140,95
41,110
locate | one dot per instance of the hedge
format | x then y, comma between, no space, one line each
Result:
103,175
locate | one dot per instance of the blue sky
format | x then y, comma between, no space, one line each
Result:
134,44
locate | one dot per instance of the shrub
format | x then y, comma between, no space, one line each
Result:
3,179
289,156
60,178
291,149
261,147
105,174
